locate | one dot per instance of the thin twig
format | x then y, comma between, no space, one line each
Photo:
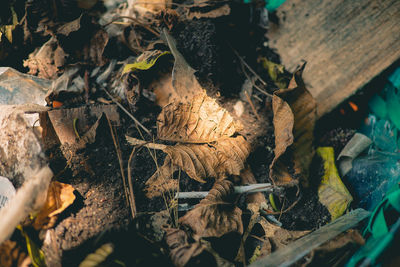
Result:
137,22
252,106
248,66
198,3
286,210
126,111
132,196
119,156
242,61
134,141
243,189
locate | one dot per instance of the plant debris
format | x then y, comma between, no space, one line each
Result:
140,101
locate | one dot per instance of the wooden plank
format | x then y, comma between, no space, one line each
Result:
346,43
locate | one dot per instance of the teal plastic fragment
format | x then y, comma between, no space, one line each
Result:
378,107
272,5
394,78
380,234
393,105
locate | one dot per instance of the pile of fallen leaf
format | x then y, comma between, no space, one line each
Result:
141,109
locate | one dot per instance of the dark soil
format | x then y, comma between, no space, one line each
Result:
101,211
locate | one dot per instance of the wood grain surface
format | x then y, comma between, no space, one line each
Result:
346,43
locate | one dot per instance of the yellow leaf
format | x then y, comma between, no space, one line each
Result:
36,254
332,193
59,197
145,61
276,72
7,29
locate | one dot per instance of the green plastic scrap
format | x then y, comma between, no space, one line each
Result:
393,105
378,106
380,234
271,5
394,78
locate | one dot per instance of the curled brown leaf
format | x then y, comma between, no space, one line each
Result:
294,120
59,197
200,161
181,251
217,214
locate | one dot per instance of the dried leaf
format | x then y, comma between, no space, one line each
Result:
200,161
62,121
95,49
181,251
153,5
332,193
59,197
200,121
183,79
83,40
11,254
145,61
278,236
163,89
254,201
294,111
46,61
161,181
216,215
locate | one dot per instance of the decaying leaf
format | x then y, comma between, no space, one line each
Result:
215,215
278,236
182,252
163,89
11,254
332,193
145,61
152,5
46,61
59,197
183,79
200,161
201,120
294,111
83,40
71,124
276,72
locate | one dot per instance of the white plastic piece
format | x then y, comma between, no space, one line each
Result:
7,191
